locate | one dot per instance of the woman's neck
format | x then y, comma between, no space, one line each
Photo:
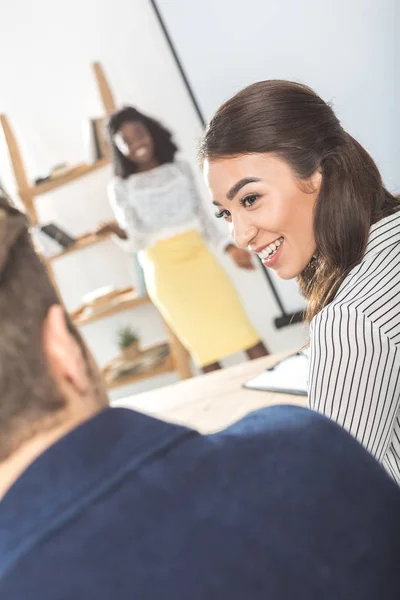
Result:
152,164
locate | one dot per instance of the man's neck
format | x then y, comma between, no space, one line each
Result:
28,452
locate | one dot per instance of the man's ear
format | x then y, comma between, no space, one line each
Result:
63,354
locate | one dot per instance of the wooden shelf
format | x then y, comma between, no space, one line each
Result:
29,192
165,367
72,175
82,243
129,301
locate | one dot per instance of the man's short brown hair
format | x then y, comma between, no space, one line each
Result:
27,392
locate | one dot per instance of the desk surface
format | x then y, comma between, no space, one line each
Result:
211,402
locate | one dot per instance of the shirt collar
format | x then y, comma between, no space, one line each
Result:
383,234
66,476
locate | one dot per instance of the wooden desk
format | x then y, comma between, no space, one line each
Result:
211,402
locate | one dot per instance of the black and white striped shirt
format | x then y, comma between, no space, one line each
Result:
355,349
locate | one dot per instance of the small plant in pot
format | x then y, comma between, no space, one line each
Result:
128,342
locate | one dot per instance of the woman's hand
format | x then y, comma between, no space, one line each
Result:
111,227
241,258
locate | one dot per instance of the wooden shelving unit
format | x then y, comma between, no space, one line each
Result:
167,366
29,192
179,359
85,242
112,309
72,175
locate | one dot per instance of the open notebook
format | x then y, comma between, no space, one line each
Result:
289,376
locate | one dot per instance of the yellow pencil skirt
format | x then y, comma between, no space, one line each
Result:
196,298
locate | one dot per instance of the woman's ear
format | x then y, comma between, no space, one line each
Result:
316,180
312,184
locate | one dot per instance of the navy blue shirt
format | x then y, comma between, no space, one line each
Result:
282,505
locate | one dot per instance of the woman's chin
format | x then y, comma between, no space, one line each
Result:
286,275
288,271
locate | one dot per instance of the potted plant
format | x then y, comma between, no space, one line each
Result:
128,342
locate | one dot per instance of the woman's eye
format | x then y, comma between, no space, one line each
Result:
248,201
222,214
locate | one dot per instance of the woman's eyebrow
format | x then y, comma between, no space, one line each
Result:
238,186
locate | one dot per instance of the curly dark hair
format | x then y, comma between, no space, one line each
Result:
164,147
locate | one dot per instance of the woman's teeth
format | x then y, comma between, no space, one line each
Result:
141,151
270,250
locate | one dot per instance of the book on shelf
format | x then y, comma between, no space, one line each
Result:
51,239
58,235
95,139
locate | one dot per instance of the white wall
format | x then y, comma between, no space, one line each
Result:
47,90
348,50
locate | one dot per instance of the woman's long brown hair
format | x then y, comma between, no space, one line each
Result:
290,121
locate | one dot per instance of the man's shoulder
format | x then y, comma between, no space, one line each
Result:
274,436
274,450
196,508
271,452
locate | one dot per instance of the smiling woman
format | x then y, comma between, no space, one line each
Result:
302,193
160,212
270,213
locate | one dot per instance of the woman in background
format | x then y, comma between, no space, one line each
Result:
159,210
297,189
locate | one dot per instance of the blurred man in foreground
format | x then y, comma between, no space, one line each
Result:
109,504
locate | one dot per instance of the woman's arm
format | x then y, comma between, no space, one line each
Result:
354,375
112,227
128,226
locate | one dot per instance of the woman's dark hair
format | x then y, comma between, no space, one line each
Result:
289,120
164,147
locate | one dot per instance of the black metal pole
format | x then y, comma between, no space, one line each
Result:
285,318
178,63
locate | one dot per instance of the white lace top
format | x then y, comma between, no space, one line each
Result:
160,204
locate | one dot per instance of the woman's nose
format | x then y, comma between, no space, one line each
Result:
243,235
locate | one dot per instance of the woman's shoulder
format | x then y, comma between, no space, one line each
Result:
180,161
182,165
379,313
334,312
162,175
116,189
116,183
120,184
349,305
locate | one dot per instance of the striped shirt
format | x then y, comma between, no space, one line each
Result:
355,349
